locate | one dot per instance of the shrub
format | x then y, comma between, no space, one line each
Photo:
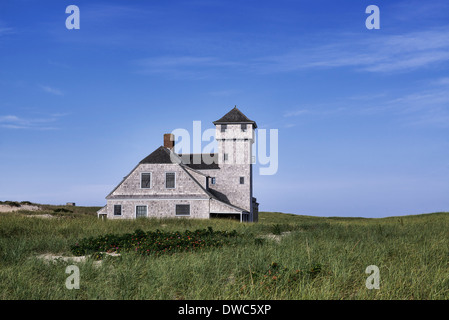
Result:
154,242
276,229
11,203
274,273
62,210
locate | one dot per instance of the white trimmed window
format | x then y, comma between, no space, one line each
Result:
243,126
213,180
117,209
183,209
145,180
141,211
224,127
170,180
242,180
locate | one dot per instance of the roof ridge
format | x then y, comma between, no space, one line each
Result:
211,195
194,170
160,155
235,116
197,182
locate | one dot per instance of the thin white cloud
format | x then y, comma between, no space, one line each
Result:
182,66
111,12
9,118
223,93
316,110
52,90
59,64
391,53
382,54
296,113
4,31
15,122
185,61
442,81
426,107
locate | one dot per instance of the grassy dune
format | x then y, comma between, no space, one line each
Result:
297,257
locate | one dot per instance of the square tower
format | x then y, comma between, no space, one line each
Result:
235,136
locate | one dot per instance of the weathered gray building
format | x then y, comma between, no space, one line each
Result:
167,184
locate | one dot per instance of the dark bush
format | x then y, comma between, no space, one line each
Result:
154,242
276,229
59,210
275,274
11,203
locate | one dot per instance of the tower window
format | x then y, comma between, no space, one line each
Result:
225,157
213,180
242,180
243,126
224,127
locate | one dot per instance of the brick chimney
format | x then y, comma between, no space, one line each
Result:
169,141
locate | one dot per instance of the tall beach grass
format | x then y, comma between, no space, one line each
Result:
281,257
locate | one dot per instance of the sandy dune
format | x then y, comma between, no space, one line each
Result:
7,208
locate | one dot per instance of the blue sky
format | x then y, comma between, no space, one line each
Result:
362,115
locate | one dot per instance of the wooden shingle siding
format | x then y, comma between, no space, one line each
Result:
131,186
165,184
159,208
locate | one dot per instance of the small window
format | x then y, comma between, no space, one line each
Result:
141,211
183,209
145,180
170,180
212,180
224,127
242,180
243,126
117,210
225,157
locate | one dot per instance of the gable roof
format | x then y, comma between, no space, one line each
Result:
212,195
160,155
164,155
235,116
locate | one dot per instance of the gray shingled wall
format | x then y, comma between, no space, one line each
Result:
237,144
184,184
199,209
161,201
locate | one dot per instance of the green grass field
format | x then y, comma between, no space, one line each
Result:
312,258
